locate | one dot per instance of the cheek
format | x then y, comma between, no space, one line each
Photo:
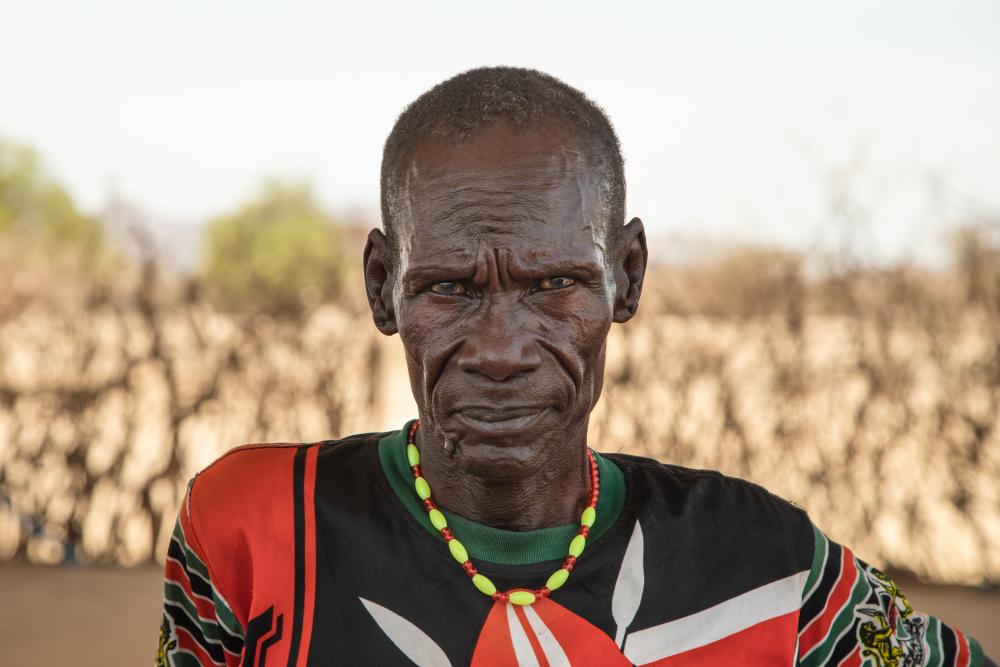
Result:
579,327
427,335
591,349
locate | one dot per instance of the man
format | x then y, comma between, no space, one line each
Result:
488,533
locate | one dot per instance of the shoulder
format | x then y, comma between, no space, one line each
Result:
700,490
245,470
238,503
247,474
719,512
242,511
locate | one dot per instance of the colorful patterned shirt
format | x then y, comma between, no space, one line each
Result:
321,554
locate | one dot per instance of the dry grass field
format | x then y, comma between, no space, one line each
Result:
873,403
871,400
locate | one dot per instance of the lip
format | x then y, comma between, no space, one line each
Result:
493,422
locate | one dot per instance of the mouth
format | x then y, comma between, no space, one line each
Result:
503,422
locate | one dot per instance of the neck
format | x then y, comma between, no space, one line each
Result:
553,493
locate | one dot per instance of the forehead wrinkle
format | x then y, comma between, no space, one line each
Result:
526,192
517,172
465,210
492,189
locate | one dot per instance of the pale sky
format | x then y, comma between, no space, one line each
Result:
731,114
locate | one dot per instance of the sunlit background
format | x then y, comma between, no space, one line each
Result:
185,189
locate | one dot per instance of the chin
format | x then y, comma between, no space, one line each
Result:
500,461
500,445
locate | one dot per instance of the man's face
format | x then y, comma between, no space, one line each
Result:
504,293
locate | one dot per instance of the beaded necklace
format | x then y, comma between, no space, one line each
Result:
518,596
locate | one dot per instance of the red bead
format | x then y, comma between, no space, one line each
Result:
470,569
429,504
416,471
446,534
500,597
584,530
542,592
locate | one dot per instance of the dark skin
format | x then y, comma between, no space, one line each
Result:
504,284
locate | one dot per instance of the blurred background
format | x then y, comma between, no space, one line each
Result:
185,190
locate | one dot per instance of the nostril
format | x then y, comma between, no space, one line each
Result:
497,371
498,362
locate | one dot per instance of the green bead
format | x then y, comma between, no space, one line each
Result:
588,516
484,585
577,545
523,598
437,519
557,579
458,551
423,488
413,455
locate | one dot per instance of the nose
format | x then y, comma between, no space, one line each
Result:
498,346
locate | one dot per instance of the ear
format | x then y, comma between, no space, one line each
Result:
380,274
630,267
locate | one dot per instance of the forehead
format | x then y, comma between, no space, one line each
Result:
533,191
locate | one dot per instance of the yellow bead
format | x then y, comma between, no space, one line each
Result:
423,488
587,519
577,545
522,598
458,551
437,519
413,455
557,579
484,585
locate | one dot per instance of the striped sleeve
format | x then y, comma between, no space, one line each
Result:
198,625
852,614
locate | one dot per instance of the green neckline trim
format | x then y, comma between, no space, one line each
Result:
495,545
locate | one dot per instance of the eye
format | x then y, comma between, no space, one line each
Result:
556,282
448,288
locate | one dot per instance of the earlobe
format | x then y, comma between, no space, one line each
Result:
380,270
630,269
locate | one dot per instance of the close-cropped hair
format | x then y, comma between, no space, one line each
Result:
455,110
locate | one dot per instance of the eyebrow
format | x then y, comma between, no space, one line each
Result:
585,268
418,276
